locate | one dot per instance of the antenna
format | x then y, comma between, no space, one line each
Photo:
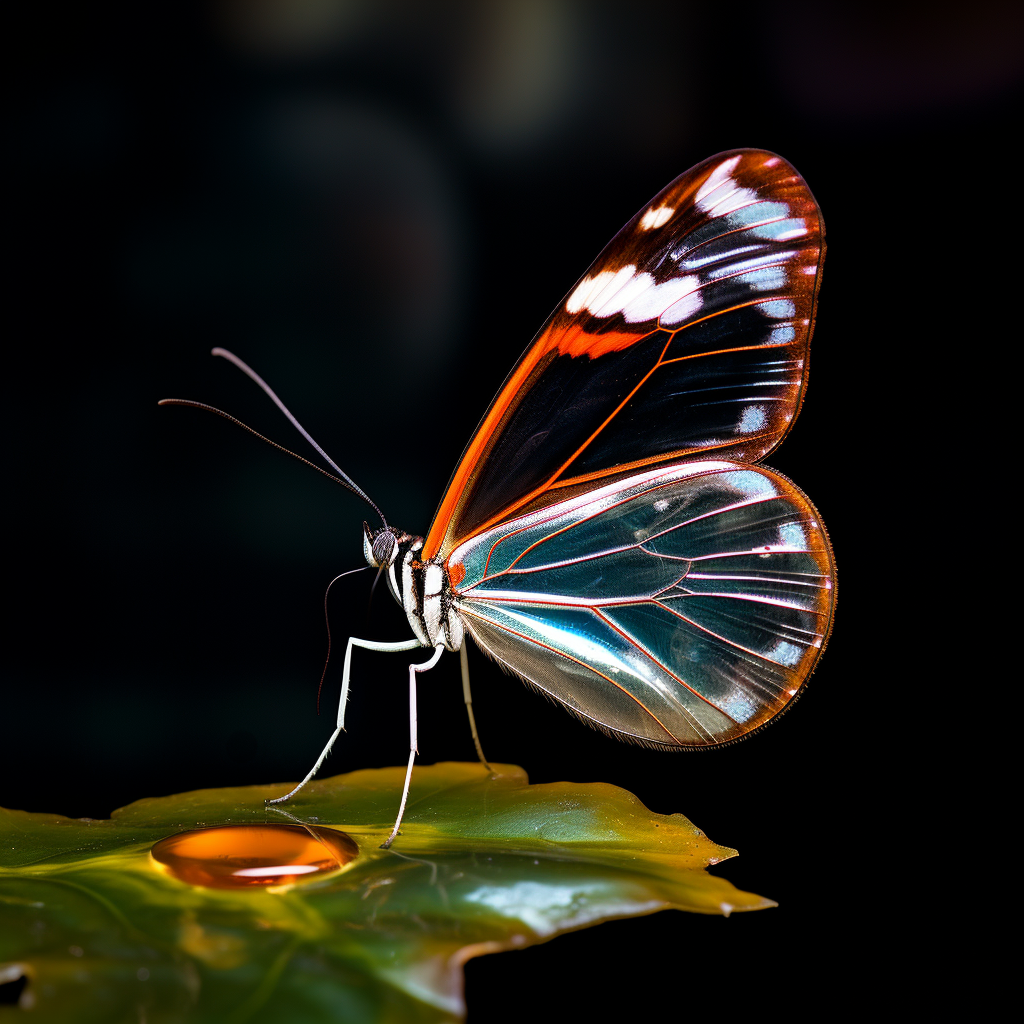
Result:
273,444
249,372
345,480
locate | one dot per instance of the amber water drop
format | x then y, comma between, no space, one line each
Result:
254,856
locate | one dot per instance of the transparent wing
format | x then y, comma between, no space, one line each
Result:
688,336
682,607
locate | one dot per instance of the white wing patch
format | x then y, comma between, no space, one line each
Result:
635,296
589,286
752,420
622,293
721,194
655,218
688,303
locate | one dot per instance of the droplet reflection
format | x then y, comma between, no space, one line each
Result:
244,856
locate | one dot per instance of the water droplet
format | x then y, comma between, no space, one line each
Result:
247,856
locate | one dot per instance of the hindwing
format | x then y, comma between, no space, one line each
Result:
684,606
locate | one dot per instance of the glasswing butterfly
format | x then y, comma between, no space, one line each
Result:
609,535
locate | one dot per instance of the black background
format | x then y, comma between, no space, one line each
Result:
376,205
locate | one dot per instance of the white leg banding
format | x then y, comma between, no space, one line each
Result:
425,666
468,697
369,645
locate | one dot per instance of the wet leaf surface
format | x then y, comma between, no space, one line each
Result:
484,862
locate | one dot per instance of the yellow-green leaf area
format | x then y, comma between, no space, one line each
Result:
484,862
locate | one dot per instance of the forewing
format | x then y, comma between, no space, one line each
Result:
689,334
682,607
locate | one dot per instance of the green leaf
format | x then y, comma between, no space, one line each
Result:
484,862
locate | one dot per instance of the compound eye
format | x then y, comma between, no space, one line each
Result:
385,547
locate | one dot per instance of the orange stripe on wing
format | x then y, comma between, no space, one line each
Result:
547,485
476,448
571,340
574,341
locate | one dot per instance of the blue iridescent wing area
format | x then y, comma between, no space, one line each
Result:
682,607
686,338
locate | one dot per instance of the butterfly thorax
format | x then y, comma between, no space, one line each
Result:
423,590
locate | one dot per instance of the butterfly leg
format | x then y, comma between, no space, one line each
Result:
424,666
369,645
468,697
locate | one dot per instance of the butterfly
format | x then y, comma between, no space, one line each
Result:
610,534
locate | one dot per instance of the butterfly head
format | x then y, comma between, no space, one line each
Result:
379,546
